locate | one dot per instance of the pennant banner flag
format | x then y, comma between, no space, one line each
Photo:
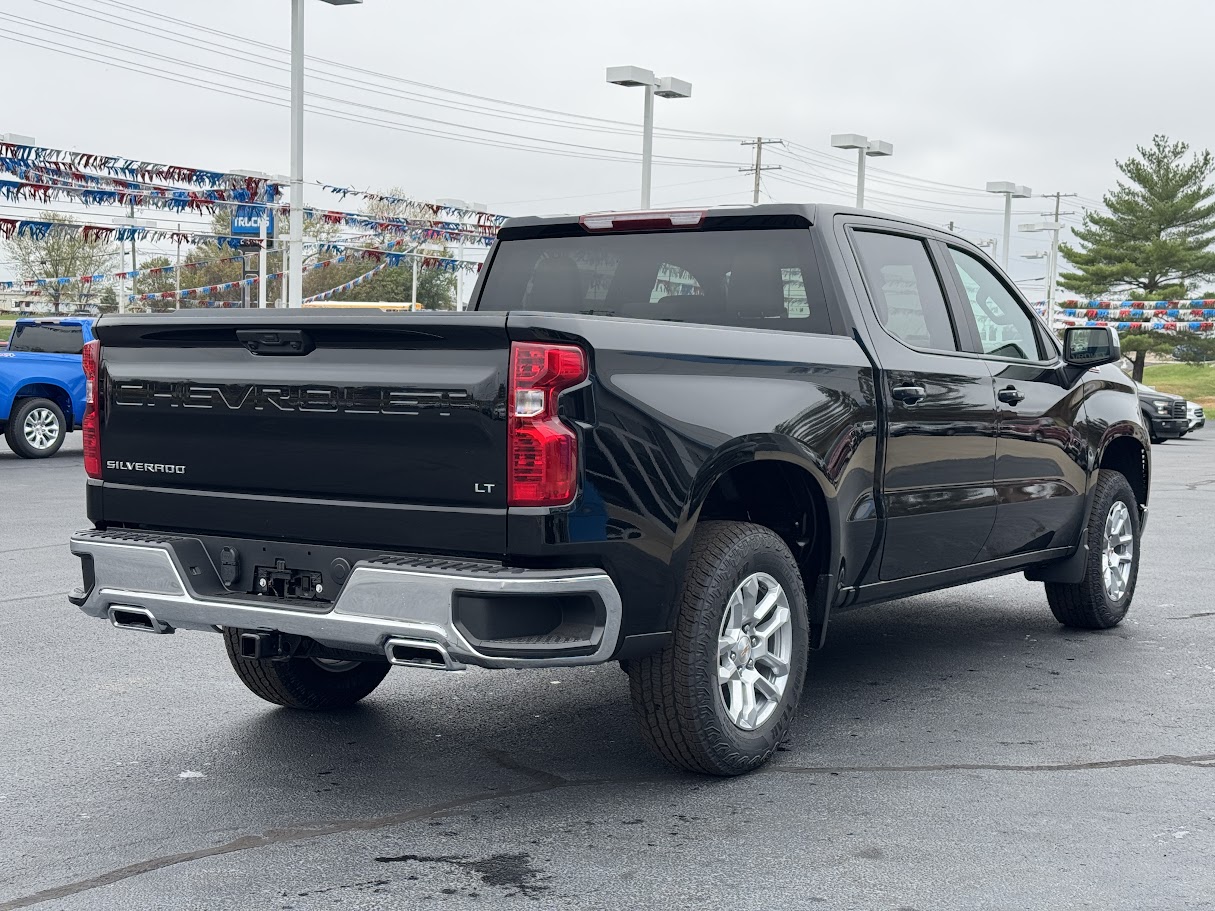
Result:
1160,326
48,181
100,277
417,206
132,169
387,260
1156,313
353,283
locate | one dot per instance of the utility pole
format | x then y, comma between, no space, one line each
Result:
1052,268
759,166
177,273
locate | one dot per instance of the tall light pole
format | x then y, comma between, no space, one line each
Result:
295,244
1010,191
1052,264
865,148
663,87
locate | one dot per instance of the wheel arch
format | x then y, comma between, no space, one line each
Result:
772,481
46,390
1129,453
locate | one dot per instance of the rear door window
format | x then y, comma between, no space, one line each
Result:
759,278
47,338
905,290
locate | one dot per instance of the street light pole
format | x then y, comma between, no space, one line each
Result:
860,178
664,87
1052,262
295,267
647,145
865,148
1010,192
295,243
261,260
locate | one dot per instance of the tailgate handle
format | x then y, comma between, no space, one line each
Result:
275,341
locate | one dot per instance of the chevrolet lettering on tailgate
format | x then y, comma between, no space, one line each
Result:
247,397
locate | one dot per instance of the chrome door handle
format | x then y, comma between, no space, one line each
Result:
909,395
1009,395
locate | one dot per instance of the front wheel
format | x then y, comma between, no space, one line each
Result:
720,697
1103,597
36,428
305,682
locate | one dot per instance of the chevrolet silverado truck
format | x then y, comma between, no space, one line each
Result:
42,384
683,441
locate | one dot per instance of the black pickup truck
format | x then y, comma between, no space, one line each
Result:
683,441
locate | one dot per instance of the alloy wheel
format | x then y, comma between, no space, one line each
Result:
754,649
41,428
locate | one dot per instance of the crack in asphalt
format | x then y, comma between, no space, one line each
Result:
275,837
1210,613
1200,762
23,550
33,597
545,782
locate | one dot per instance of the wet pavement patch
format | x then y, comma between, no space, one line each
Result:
513,873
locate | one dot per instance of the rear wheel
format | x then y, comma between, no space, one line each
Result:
1103,597
721,696
36,428
305,682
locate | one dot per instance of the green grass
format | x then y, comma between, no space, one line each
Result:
1195,383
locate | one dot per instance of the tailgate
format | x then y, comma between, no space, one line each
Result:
291,407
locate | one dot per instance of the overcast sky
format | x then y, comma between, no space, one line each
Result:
1041,93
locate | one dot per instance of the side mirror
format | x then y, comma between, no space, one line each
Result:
1091,346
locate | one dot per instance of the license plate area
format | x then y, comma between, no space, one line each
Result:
285,583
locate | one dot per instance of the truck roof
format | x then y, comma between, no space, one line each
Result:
69,320
812,213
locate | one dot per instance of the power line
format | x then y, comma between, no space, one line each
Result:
249,94
506,136
229,39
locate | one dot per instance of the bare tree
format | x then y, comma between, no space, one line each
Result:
62,254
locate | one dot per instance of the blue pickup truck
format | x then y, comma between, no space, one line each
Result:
42,385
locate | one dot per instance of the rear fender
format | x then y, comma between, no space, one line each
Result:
776,448
46,390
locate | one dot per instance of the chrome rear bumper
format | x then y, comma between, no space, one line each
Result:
385,599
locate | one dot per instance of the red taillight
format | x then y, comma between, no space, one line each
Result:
543,469
90,424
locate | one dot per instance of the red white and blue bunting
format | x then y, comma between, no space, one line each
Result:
102,277
353,283
129,168
387,260
419,207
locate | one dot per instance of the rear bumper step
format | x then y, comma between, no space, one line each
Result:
417,611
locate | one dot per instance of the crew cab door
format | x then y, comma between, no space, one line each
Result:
939,467
1040,455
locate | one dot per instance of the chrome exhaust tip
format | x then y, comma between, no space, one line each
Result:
137,618
420,653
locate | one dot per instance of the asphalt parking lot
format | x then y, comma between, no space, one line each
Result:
955,751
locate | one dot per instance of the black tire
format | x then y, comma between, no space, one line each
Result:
305,683
14,433
1087,604
676,693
